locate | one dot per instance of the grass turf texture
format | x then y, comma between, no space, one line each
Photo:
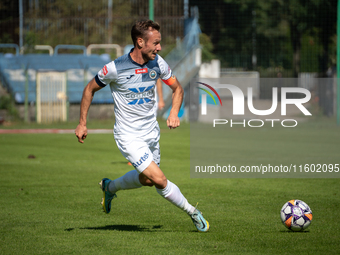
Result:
51,204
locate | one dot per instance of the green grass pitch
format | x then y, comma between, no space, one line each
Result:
50,204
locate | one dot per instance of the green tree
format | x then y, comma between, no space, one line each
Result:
315,17
271,29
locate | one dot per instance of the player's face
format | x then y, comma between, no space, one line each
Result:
152,45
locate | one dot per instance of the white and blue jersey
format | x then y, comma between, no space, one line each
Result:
133,91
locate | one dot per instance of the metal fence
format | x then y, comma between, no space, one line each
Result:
272,37
84,22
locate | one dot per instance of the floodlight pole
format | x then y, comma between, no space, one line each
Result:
21,26
338,66
109,21
151,10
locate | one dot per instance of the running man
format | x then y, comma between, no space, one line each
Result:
132,79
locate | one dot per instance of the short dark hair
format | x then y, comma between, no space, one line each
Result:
141,28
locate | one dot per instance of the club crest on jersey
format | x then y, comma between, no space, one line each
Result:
153,74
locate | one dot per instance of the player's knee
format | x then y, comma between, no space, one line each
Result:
145,181
160,182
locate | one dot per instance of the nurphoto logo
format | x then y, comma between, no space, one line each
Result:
204,97
239,99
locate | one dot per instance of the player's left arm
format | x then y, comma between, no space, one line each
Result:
177,99
177,92
161,103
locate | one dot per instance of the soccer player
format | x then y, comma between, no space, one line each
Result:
132,79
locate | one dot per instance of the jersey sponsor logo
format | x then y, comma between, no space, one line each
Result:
140,95
105,70
143,70
130,76
153,74
141,160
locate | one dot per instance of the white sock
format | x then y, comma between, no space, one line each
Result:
172,193
130,180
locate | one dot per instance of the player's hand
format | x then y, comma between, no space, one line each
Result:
173,122
81,133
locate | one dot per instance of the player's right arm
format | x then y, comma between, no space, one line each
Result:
88,93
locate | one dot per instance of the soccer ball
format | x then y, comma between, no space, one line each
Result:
296,215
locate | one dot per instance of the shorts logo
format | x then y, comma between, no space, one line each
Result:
143,70
153,74
141,160
105,70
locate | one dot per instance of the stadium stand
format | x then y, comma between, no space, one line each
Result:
79,68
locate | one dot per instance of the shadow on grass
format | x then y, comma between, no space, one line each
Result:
131,228
290,231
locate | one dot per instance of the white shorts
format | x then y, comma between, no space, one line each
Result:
141,151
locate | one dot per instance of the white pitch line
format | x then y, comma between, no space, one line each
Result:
53,131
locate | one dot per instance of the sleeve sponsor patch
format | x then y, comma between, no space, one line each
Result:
105,70
107,74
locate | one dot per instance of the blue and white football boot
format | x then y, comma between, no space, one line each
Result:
201,224
107,196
